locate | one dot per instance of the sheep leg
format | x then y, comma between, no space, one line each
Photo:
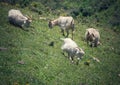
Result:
91,44
70,57
72,33
95,42
78,61
67,33
22,26
63,32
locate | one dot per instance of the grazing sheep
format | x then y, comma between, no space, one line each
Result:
92,37
70,47
65,23
17,18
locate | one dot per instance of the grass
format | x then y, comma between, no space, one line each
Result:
45,65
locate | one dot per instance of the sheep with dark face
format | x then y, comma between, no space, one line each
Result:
70,47
65,23
92,37
17,18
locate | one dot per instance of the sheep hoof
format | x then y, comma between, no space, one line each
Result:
72,62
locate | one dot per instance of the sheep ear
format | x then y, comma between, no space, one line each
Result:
29,17
77,50
88,33
80,49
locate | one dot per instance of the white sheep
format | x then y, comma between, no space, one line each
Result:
17,18
65,23
70,47
92,37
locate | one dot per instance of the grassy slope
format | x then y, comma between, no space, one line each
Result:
45,65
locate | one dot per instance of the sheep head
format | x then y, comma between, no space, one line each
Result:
79,52
50,24
90,36
29,18
28,21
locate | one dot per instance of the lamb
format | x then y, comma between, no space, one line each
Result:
65,23
72,49
17,18
92,37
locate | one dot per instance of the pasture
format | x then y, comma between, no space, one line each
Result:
26,57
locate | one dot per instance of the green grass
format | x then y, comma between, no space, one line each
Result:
45,65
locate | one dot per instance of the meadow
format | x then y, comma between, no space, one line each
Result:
28,58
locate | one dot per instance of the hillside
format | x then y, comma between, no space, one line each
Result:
26,58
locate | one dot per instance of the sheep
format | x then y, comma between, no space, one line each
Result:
65,23
17,18
92,37
71,48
